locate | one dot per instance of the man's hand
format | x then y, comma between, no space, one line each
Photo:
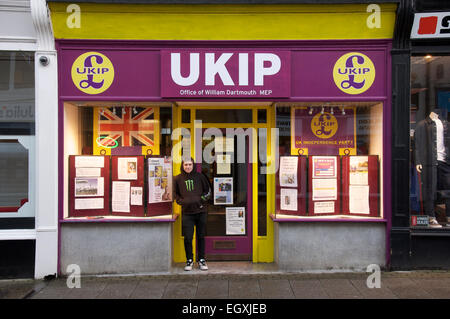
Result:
419,168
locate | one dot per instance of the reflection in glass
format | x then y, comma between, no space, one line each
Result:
13,174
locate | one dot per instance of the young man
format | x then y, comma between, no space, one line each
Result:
192,191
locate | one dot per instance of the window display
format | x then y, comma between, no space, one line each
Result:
430,136
111,153
339,148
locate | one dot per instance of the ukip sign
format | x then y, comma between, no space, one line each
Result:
328,132
225,74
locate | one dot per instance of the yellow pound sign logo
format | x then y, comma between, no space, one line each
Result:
324,125
92,73
354,73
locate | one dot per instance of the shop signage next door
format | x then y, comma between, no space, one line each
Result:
229,222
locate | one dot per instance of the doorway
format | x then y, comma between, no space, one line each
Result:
239,227
226,164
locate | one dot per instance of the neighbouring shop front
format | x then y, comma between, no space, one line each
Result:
291,127
426,228
28,229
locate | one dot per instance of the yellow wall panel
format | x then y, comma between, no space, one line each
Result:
222,22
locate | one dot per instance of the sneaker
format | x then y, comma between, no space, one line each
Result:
189,265
434,223
202,264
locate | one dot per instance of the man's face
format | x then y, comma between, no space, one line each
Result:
188,167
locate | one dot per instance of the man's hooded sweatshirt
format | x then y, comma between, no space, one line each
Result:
191,191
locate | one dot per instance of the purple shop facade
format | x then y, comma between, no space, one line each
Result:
229,71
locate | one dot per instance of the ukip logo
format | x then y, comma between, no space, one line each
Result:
324,125
354,73
92,73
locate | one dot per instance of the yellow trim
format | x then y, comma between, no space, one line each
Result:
262,246
222,22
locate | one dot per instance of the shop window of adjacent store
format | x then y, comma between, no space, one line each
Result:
117,160
17,130
330,160
430,142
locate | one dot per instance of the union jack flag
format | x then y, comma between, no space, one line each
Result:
129,126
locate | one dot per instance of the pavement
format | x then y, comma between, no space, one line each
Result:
236,280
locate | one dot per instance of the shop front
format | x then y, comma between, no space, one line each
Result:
426,228
291,131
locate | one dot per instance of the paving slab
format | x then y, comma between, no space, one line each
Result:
118,289
276,289
180,289
373,293
340,289
308,289
212,289
406,288
244,289
150,289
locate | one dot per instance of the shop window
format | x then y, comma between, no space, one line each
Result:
262,116
224,115
17,139
430,142
330,160
117,160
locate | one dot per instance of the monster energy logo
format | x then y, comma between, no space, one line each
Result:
189,185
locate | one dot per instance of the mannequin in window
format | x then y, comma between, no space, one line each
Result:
432,143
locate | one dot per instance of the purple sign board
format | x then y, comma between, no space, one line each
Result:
225,74
144,72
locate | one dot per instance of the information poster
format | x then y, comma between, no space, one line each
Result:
223,190
89,187
223,164
127,168
235,220
136,196
288,199
89,161
121,197
159,180
224,144
88,203
324,189
359,170
288,171
324,167
359,199
323,207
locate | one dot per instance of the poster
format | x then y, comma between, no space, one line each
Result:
235,220
288,199
359,170
87,172
89,161
127,168
324,166
359,199
159,180
317,130
89,187
224,144
324,189
136,196
223,164
323,207
88,203
288,171
121,197
223,191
